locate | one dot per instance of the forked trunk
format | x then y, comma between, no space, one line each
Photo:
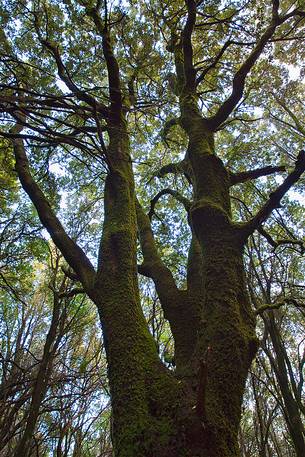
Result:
194,411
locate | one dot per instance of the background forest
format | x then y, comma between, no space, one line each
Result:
53,372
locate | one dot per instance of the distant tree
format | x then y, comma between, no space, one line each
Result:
52,365
281,359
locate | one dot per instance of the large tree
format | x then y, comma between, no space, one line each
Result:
101,88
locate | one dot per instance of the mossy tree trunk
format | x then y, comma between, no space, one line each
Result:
193,411
141,388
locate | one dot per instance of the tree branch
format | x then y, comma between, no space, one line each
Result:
189,70
271,307
153,267
240,76
71,293
277,195
167,126
298,126
214,63
111,62
73,254
237,178
175,168
185,202
65,77
274,243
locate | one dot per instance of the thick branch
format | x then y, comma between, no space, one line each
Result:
167,126
277,195
240,76
189,70
180,198
73,254
236,178
71,293
271,307
239,80
111,62
153,267
175,168
274,243
293,13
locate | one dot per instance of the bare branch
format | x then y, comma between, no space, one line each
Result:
180,198
237,178
277,195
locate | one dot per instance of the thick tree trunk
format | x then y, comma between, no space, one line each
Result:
143,391
227,343
157,413
196,410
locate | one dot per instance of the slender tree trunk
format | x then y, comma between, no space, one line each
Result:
41,384
291,412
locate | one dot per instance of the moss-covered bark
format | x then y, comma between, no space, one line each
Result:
195,411
227,336
143,392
